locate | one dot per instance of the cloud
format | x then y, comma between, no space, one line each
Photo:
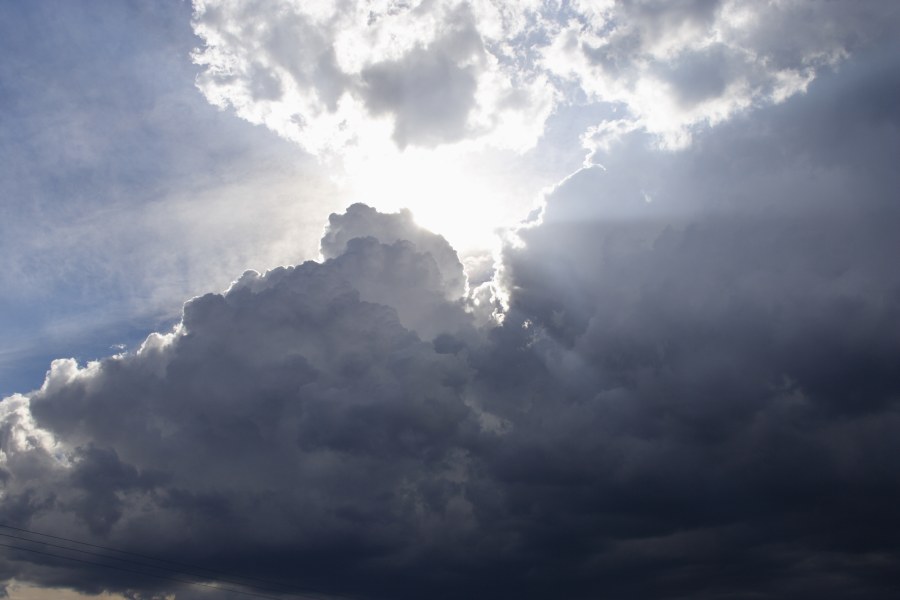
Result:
363,221
293,403
689,397
335,76
675,66
431,90
719,361
329,76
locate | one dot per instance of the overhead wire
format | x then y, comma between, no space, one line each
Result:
149,557
184,568
118,558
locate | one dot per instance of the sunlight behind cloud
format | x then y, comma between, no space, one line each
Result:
454,356
464,197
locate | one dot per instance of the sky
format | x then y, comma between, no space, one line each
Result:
493,299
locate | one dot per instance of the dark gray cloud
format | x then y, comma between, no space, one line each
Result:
720,326
693,392
289,409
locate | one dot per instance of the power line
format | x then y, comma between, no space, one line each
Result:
149,557
233,578
126,560
134,562
176,579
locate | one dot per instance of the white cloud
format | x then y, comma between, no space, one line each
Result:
677,65
335,76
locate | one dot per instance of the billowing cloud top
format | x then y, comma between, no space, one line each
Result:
304,378
331,75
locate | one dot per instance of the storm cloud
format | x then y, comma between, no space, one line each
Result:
680,381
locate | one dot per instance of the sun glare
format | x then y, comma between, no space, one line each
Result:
464,198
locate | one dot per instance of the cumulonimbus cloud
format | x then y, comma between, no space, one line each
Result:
683,377
306,375
693,393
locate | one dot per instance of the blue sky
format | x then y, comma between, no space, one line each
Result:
113,166
510,299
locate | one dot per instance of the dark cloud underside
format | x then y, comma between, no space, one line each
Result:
693,393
